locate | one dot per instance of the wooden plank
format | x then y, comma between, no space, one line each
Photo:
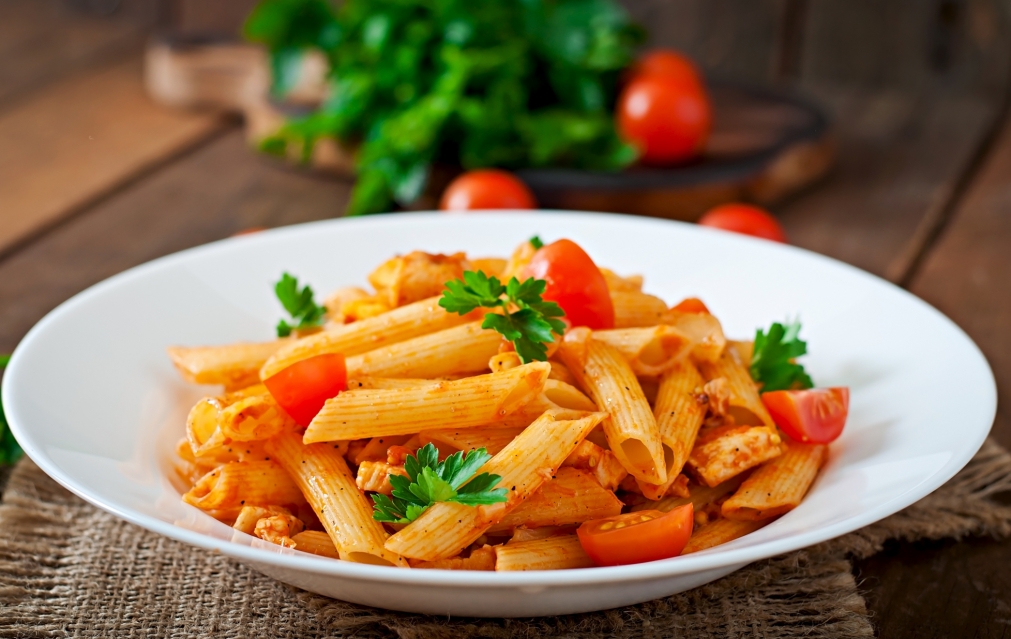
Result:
900,156
78,139
211,193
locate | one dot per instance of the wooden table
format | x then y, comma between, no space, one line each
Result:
95,179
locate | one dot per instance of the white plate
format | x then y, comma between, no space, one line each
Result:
91,395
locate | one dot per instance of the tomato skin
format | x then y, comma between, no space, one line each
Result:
303,388
691,305
487,189
815,416
573,282
667,119
745,219
666,63
631,541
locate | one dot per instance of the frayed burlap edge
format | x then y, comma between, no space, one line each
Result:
70,570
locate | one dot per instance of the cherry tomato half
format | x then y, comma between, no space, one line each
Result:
815,416
487,189
303,388
691,305
633,538
745,219
573,282
667,119
666,63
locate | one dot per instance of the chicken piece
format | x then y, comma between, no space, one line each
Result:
416,276
375,477
716,394
279,529
603,464
249,515
480,559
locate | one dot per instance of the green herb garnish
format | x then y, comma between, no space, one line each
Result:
10,450
772,360
529,328
430,481
536,242
299,304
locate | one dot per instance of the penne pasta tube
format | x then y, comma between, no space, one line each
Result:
370,383
746,405
699,495
490,266
459,350
650,350
252,418
525,464
234,365
326,481
491,439
730,451
703,329
504,361
633,309
238,484
480,559
720,532
518,261
778,485
316,542
465,403
743,351
560,372
552,553
398,325
679,415
572,497
631,429
616,282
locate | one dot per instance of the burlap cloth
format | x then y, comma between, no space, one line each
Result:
68,569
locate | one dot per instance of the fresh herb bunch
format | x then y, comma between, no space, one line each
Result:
474,83
10,450
772,360
300,305
430,481
529,327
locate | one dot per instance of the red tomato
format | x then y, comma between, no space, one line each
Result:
666,63
633,538
814,416
487,189
573,282
667,119
745,219
303,388
691,305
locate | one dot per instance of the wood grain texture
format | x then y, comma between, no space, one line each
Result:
210,194
79,138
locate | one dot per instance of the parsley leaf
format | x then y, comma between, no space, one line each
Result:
531,326
430,481
536,242
772,360
300,305
10,450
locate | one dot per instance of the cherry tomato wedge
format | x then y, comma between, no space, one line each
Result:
745,219
666,119
573,282
666,63
633,538
487,189
303,388
691,305
815,416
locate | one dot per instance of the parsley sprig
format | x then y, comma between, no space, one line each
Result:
10,450
300,305
772,360
536,242
430,481
529,327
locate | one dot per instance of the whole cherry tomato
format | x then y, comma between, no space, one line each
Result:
691,305
667,119
666,63
573,282
302,388
745,219
815,416
632,538
487,189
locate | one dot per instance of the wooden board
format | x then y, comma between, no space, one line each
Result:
63,146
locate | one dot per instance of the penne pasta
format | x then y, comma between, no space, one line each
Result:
445,528
631,428
459,350
491,266
699,495
704,331
552,553
491,439
238,484
731,451
234,365
720,532
324,478
466,403
370,383
398,325
252,418
316,542
571,497
778,485
480,559
518,261
616,282
746,405
634,309
649,351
